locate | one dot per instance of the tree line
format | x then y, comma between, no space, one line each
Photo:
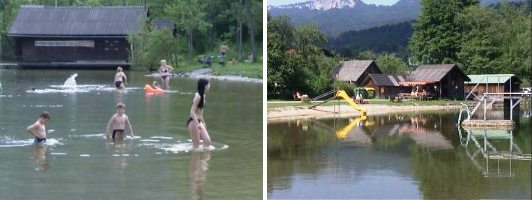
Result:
201,28
480,39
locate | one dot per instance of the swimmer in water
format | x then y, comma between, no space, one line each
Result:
120,78
118,121
196,124
165,70
38,129
155,85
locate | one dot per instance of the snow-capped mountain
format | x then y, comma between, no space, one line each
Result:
320,4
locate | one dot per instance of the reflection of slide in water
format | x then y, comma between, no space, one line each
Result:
485,151
344,132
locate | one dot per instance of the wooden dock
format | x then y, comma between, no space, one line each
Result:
506,124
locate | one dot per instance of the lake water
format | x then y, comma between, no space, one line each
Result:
78,163
412,156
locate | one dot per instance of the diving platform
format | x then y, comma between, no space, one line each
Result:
472,123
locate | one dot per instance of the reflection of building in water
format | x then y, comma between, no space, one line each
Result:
492,151
418,128
40,157
197,173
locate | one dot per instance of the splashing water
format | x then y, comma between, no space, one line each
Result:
71,81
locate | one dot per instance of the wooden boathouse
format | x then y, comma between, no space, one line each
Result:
68,36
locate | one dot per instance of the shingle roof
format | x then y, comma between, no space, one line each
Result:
489,78
433,73
387,80
76,21
352,70
163,23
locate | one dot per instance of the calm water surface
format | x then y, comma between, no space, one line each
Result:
418,155
78,163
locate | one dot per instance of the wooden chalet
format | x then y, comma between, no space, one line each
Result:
441,80
356,71
69,36
387,86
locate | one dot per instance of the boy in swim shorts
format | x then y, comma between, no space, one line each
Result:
118,121
38,129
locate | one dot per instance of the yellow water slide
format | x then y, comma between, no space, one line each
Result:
341,134
343,94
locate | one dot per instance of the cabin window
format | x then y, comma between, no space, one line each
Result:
382,90
111,45
64,43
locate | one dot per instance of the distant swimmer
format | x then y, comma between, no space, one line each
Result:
118,122
165,70
120,78
155,85
38,129
196,123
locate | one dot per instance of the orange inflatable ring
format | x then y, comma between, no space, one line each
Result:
149,89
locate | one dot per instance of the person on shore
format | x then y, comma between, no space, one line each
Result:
165,70
118,122
223,49
196,124
120,78
250,58
38,129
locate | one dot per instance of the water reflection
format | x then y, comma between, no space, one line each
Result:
492,150
119,148
40,156
197,173
418,155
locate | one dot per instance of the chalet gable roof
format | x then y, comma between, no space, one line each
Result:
352,70
434,73
76,21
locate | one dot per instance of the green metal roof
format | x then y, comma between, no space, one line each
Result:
489,78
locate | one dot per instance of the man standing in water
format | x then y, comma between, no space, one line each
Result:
38,129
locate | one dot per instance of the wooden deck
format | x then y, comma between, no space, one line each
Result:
507,124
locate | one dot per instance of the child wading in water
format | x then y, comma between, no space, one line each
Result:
38,128
120,78
196,124
118,121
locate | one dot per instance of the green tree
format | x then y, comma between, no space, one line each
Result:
192,16
367,55
496,40
149,46
391,64
436,34
295,60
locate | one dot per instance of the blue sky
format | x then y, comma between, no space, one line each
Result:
285,2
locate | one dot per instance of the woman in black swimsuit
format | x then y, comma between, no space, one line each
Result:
196,124
164,70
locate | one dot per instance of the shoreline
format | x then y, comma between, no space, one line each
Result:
206,73
288,113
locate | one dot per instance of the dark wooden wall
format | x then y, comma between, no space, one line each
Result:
105,49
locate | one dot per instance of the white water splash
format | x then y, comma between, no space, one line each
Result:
71,81
11,142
